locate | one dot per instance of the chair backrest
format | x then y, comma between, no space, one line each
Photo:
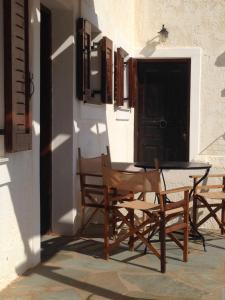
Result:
132,182
218,182
92,165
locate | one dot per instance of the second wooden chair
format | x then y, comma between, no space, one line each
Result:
121,188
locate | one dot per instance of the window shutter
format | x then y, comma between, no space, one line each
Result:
119,76
83,59
132,65
16,64
106,48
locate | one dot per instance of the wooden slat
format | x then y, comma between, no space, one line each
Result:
19,88
19,8
20,108
132,81
119,76
106,84
18,54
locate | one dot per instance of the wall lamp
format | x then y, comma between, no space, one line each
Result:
163,34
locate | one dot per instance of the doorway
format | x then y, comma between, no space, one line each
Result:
46,120
163,110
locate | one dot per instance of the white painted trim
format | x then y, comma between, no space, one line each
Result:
195,55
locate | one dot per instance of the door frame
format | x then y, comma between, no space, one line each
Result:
136,112
48,150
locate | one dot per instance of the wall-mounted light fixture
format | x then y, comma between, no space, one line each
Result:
163,34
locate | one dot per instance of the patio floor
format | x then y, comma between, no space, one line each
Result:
73,269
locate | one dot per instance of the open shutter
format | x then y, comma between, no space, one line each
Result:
16,66
132,65
119,76
106,89
83,59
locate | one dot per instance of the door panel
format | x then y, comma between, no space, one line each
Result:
163,110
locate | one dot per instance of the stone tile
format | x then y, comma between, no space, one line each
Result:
68,294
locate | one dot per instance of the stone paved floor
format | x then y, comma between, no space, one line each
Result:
73,269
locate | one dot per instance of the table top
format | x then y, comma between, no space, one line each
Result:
174,165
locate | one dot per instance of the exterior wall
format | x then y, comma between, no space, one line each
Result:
19,185
192,24
1,82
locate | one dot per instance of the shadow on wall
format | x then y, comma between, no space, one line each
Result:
18,192
223,93
216,147
220,62
150,46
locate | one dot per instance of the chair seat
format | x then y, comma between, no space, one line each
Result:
213,195
138,204
174,211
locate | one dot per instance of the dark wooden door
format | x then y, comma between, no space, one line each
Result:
162,116
45,121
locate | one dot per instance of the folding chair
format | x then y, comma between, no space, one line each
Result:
121,188
91,186
211,197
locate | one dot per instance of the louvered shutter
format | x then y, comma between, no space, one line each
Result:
16,65
119,77
106,80
132,65
83,59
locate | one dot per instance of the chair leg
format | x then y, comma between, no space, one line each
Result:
82,212
162,239
195,211
106,228
131,240
223,217
186,237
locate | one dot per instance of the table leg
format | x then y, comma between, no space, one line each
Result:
193,223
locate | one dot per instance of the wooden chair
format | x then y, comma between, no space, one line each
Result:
91,185
211,197
121,188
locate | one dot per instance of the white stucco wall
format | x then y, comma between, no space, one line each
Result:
1,82
19,186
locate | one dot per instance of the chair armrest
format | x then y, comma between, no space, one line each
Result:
211,175
128,172
176,190
208,187
89,174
